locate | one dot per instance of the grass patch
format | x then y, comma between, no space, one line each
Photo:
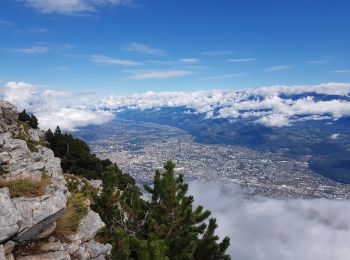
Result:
25,187
32,145
69,222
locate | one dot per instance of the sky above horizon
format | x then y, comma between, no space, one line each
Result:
122,47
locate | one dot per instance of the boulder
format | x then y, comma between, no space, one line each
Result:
88,227
10,217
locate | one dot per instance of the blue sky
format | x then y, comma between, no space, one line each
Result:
122,46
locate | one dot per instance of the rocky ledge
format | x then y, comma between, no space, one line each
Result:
30,221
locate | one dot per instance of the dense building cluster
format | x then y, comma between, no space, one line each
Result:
140,148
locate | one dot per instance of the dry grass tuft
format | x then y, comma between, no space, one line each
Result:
69,222
26,187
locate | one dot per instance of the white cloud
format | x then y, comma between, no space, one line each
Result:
53,107
279,68
70,118
143,49
242,60
270,229
32,50
216,53
190,60
270,106
187,61
72,7
160,74
341,71
334,136
263,105
101,59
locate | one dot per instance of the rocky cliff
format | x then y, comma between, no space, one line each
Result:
28,216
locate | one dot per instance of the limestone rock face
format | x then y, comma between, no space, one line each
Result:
58,255
34,210
10,218
24,220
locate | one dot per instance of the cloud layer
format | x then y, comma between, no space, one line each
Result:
269,229
274,106
52,107
271,106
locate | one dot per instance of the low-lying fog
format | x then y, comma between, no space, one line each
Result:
270,229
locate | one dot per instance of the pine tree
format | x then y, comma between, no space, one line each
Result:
23,116
33,122
174,220
208,248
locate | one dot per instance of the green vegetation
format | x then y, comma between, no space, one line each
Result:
31,120
26,187
75,154
2,171
69,222
165,227
77,184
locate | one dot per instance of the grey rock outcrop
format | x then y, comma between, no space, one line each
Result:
10,218
8,117
23,220
58,255
88,227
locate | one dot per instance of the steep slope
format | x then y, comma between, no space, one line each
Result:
34,196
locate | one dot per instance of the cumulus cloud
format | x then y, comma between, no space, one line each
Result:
32,50
271,106
270,229
143,49
159,74
101,59
52,107
72,7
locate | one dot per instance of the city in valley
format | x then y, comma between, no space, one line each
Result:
140,148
